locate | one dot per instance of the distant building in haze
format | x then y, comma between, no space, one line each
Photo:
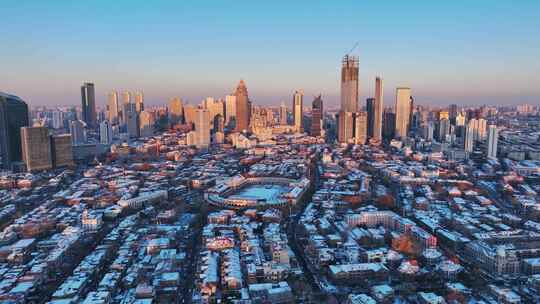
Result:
403,111
113,107
298,103
360,127
230,108
176,110
146,124
13,116
139,102
88,104
469,138
283,114
202,128
105,132
317,113
78,132
378,107
370,109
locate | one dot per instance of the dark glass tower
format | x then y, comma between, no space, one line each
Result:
88,100
13,116
370,108
317,116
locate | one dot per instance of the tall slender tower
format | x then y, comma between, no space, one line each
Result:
403,111
202,128
283,114
88,105
493,137
298,103
349,84
317,116
378,107
243,111
113,107
176,110
139,102
370,109
13,116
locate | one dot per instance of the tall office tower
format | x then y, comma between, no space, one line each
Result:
389,123
36,148
113,107
493,138
176,110
62,150
469,138
403,111
126,97
482,129
378,107
89,104
345,126
370,109
349,84
215,107
317,113
444,129
57,119
202,128
139,102
146,124
453,112
283,114
78,132
428,130
443,115
360,127
132,123
460,119
243,108
230,108
297,104
13,116
189,114
105,132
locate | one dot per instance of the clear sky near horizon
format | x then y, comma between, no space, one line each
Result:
464,52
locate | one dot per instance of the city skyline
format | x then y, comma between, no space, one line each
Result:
447,53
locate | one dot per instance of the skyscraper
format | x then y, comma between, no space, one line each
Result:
283,114
126,97
176,110
113,107
349,84
370,109
146,124
360,127
493,138
298,103
189,113
13,116
317,116
243,109
378,109
469,138
78,132
139,102
36,148
105,132
202,128
88,104
230,108
345,126
403,111
132,122
389,123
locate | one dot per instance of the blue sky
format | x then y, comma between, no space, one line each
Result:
465,52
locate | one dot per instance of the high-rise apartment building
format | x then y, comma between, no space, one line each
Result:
230,108
36,148
62,150
370,109
105,132
139,102
345,126
298,103
389,123
403,111
189,114
176,110
360,127
77,129
88,104
132,122
317,113
243,108
113,107
378,107
13,116
202,128
469,138
146,124
493,138
283,114
349,84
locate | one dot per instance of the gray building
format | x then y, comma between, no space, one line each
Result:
13,116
